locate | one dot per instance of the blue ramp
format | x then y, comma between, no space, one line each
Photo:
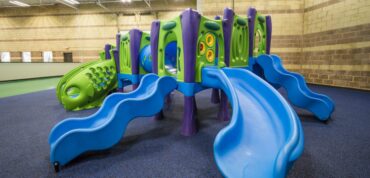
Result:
264,136
298,92
74,136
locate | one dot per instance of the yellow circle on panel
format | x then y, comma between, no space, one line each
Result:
210,56
202,48
210,40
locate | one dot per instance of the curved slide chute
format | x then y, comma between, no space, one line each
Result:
264,136
74,136
298,92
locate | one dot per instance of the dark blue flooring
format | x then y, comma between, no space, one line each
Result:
339,148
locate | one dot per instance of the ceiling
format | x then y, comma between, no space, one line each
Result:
101,3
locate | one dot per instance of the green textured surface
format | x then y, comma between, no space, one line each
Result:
239,43
260,35
86,86
212,28
18,87
69,75
125,55
168,36
207,27
169,25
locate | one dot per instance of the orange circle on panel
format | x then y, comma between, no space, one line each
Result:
202,48
210,56
210,40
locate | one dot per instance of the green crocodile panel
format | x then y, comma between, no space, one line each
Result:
87,85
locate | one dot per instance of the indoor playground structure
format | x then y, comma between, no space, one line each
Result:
191,53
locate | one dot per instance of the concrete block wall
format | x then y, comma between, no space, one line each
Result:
336,43
58,29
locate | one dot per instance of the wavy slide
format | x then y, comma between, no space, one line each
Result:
298,92
264,136
74,136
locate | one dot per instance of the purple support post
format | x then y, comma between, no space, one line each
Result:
190,20
135,39
189,123
154,36
227,25
268,34
120,85
107,49
223,113
116,54
251,18
215,97
117,58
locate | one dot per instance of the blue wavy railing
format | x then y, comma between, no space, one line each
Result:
105,128
298,92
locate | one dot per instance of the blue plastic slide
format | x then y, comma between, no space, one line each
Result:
264,136
298,92
74,136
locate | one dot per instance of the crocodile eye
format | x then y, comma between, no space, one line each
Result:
73,92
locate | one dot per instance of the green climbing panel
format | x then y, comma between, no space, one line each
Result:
260,35
239,42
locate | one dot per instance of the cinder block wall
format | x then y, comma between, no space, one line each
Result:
58,29
328,41
336,43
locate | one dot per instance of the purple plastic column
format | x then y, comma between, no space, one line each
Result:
117,58
251,18
135,39
116,54
107,49
228,19
223,113
190,24
118,46
215,97
154,35
268,33
227,25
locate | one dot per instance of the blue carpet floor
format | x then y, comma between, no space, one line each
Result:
339,148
